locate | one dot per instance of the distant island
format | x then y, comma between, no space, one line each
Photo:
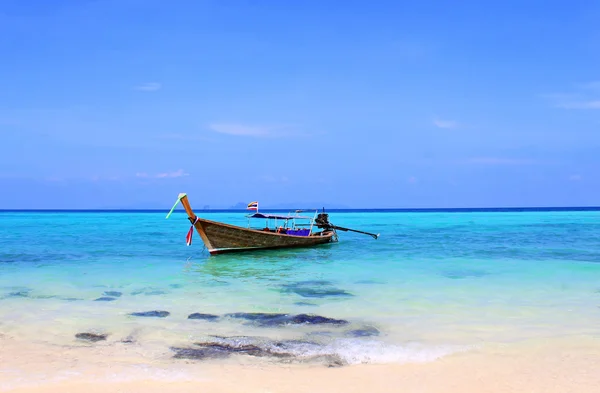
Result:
293,205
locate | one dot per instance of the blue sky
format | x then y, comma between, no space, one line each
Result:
126,103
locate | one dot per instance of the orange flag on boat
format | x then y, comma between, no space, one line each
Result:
253,206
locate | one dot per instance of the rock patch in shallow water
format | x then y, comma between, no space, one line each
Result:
274,319
367,331
199,353
149,292
260,318
157,314
113,293
314,289
105,299
368,282
92,337
458,274
205,317
314,283
309,319
24,293
305,304
286,351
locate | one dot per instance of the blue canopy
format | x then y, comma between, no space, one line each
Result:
263,215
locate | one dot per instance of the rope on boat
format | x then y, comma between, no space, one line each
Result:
188,238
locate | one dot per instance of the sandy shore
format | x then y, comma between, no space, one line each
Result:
558,365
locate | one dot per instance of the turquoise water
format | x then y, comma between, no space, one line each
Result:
433,283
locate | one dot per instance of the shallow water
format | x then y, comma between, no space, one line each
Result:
433,283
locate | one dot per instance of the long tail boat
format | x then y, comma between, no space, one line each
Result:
280,231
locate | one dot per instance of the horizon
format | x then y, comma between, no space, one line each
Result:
341,210
122,104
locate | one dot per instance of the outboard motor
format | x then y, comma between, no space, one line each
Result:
322,221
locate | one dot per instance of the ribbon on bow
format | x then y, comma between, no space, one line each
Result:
188,238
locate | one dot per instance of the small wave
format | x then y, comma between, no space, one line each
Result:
350,350
357,351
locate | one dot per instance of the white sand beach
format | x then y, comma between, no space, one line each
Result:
559,365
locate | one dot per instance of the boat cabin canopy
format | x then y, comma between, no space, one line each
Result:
277,216
285,228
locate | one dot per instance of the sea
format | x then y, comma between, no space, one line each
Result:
434,283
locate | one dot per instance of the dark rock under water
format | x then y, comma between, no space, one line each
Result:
368,282
286,351
367,331
260,318
314,283
199,353
105,299
309,319
113,293
155,313
212,350
275,319
24,293
458,274
205,317
315,289
148,292
92,337
305,304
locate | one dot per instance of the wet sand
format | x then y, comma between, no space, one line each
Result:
551,365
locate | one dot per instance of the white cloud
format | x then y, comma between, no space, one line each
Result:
500,161
163,175
576,177
412,180
177,173
149,86
242,130
448,124
257,131
585,97
594,104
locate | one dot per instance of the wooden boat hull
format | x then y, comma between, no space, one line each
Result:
222,238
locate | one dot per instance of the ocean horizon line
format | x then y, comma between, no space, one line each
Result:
340,210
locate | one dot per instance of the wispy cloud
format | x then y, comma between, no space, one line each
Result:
242,130
412,180
448,124
586,96
500,161
594,104
255,131
575,177
149,86
163,175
